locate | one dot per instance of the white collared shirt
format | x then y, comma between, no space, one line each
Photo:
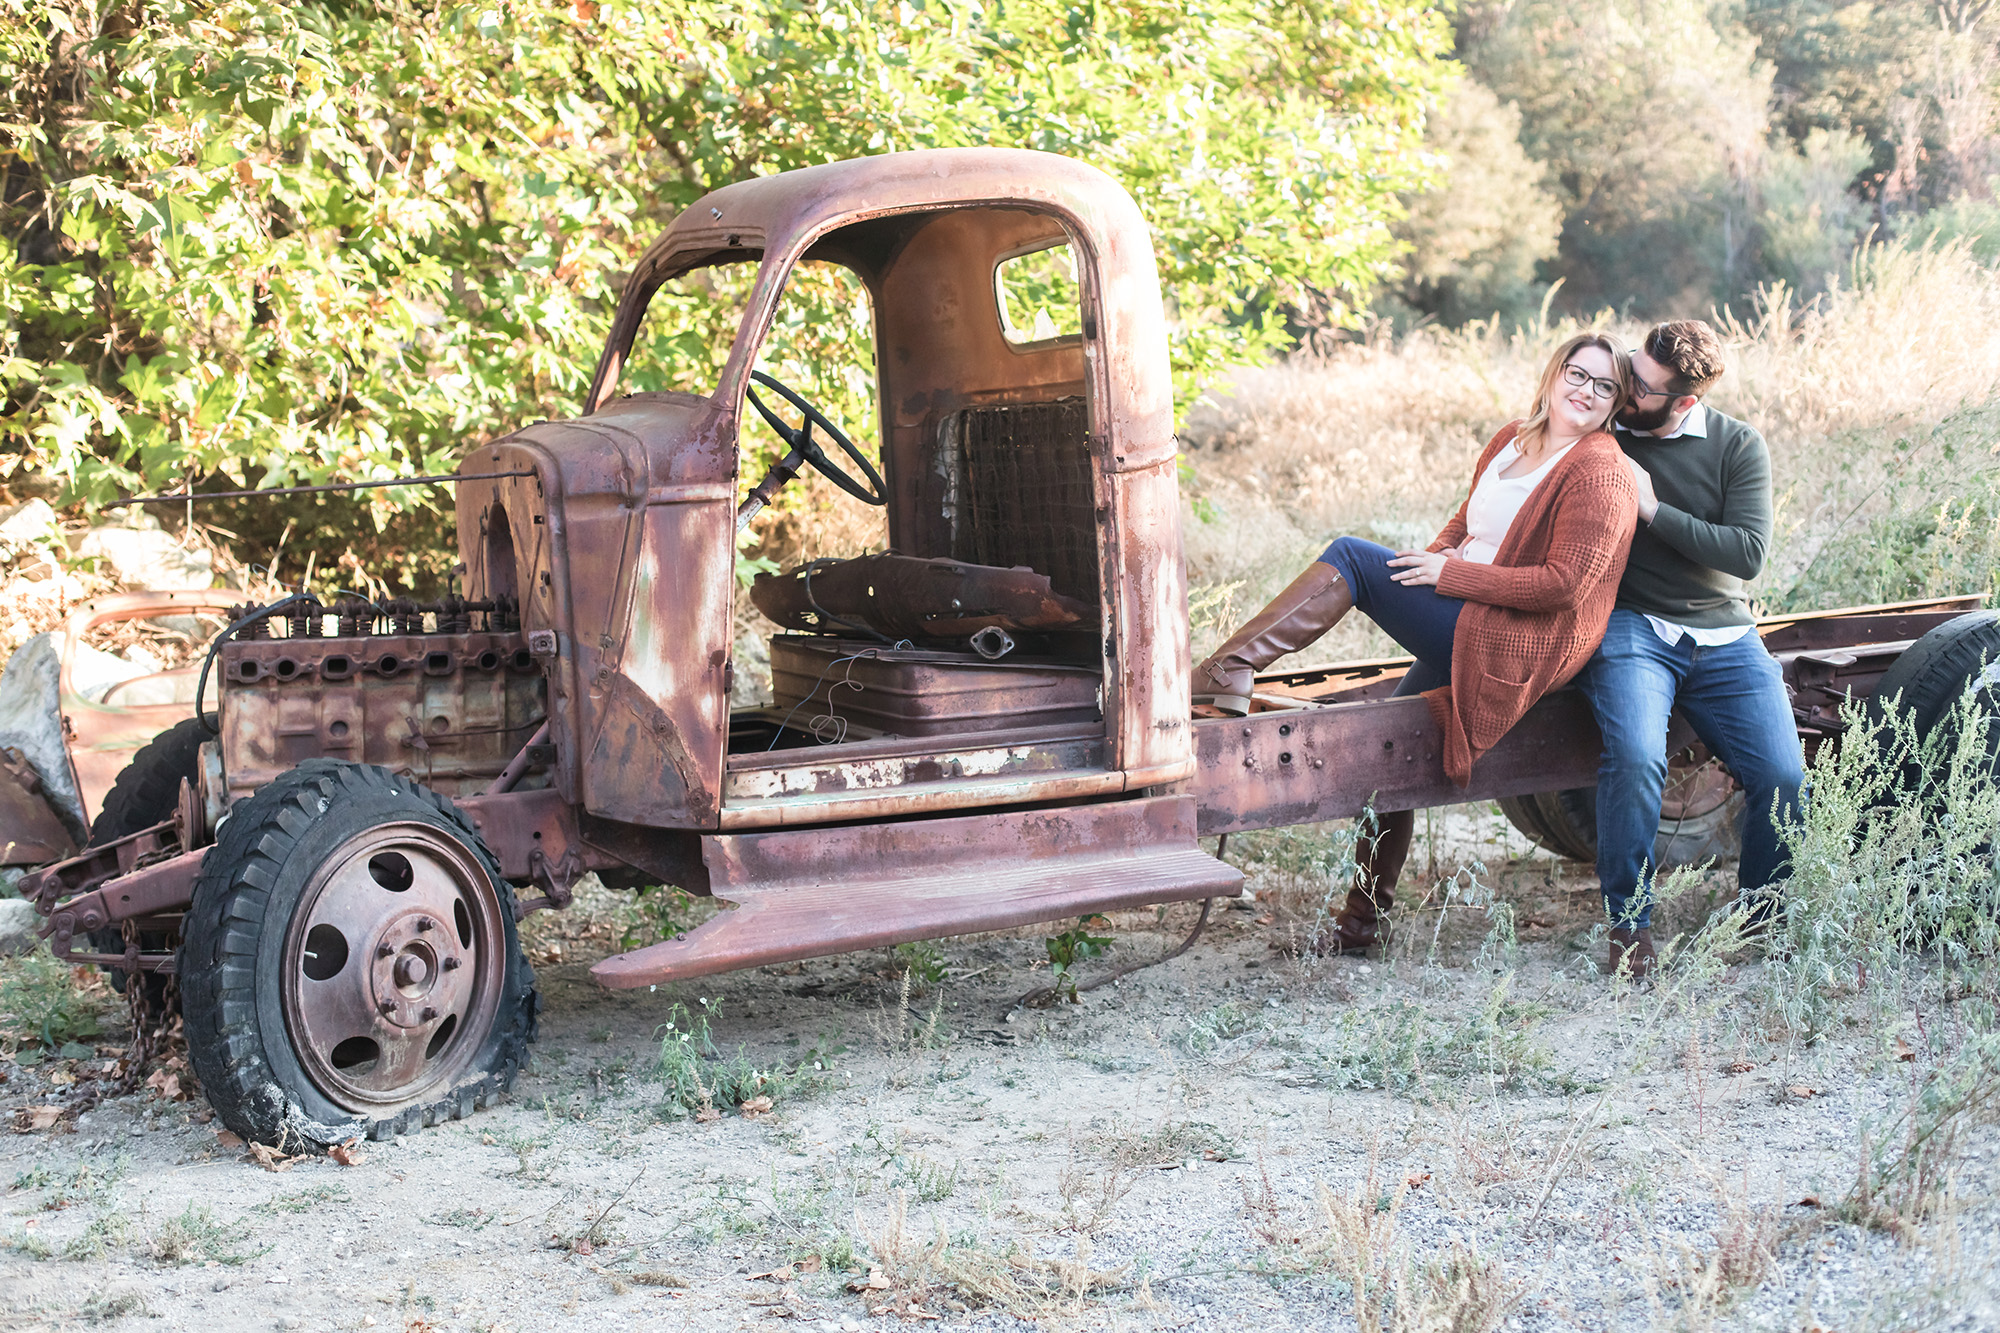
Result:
1670,632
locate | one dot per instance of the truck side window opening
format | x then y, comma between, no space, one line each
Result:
1039,296
690,323
821,343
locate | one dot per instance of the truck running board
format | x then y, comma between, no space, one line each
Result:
805,893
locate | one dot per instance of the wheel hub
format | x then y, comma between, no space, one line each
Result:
411,984
393,966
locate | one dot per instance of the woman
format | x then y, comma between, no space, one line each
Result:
1507,604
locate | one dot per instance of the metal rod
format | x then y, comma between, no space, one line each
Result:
518,764
187,497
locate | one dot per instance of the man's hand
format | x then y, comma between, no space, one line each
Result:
1649,503
1418,568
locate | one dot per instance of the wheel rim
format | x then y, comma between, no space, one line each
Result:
393,966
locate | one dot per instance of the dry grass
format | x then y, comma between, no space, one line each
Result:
914,1278
1356,1237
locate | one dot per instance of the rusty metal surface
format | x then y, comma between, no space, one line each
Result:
30,831
103,737
620,547
1304,765
833,688
143,879
905,597
806,894
449,710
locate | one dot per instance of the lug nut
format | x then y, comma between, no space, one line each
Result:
428,1015
385,950
452,964
425,923
387,1006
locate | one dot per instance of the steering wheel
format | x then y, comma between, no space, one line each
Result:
800,439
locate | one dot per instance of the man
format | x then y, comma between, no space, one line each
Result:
1682,635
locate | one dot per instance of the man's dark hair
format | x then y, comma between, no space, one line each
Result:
1690,349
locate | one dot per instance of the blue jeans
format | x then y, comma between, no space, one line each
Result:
1734,697
1418,617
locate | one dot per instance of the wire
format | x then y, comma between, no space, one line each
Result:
201,685
847,681
812,601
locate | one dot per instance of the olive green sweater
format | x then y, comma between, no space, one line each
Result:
1690,565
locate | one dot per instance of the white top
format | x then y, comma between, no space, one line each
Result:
1496,500
1670,632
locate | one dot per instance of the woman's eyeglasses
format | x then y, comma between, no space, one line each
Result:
1576,377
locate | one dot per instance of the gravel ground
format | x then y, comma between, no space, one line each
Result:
1183,1149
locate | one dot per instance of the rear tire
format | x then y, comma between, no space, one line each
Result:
351,965
1701,816
147,792
1927,682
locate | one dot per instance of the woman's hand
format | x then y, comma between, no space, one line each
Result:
1419,568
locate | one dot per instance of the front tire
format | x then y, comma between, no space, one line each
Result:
351,965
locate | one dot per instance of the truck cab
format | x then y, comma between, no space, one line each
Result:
1005,452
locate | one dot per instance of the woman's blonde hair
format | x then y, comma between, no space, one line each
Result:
1536,425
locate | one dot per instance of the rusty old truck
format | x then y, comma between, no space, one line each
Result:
984,724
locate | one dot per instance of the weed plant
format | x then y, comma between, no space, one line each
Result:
1399,1047
1894,895
696,1076
45,1000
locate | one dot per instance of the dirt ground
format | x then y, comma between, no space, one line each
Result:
1477,1131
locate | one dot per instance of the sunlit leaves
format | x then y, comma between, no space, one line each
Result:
298,242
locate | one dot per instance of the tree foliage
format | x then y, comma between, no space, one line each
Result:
265,243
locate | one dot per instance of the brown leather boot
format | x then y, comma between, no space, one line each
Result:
1311,605
1380,864
1633,948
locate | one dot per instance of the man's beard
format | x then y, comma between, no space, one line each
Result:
1634,420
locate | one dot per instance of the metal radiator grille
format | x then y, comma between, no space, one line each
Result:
1023,493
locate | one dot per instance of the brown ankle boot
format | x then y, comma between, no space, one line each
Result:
1311,605
1379,859
1633,948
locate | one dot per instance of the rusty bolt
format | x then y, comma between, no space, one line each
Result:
387,1006
384,949
452,964
425,923
429,1014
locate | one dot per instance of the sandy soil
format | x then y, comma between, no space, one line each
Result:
1229,1140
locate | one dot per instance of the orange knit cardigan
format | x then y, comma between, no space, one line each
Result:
1535,615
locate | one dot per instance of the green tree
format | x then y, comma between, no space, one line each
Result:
1651,117
1477,239
264,243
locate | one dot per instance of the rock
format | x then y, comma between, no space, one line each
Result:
149,558
30,524
18,923
93,672
31,722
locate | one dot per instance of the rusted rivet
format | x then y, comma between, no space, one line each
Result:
425,923
428,1015
451,964
387,1006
